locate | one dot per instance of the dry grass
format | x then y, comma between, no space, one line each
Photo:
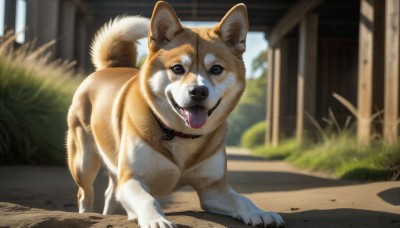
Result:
35,94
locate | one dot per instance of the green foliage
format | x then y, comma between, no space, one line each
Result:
340,156
380,162
347,160
254,136
251,108
338,153
326,156
282,151
34,98
259,64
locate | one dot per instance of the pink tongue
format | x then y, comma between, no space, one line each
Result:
196,117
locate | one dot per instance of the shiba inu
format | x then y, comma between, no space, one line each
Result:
162,126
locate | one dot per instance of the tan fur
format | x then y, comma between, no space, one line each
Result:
111,119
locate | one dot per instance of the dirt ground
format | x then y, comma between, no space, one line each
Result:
33,196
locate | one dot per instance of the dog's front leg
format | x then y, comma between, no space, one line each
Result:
220,198
135,198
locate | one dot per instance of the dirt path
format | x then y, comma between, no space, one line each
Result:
303,199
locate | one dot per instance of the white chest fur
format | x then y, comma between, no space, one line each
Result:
182,150
163,176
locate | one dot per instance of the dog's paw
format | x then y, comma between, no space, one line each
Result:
263,219
157,223
132,216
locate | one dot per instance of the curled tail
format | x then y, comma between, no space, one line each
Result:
114,44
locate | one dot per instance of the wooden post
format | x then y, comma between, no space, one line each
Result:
307,73
379,62
283,88
392,62
365,69
276,95
67,30
42,21
270,81
10,12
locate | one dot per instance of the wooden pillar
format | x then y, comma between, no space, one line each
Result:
82,41
270,81
307,74
10,12
365,69
42,22
379,64
283,88
370,66
391,113
276,95
67,30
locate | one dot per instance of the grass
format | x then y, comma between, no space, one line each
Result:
326,156
380,162
254,136
284,150
35,94
338,153
342,157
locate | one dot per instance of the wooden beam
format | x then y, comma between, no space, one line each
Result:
365,70
276,96
270,81
392,62
307,74
293,16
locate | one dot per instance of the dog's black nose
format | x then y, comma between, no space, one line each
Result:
198,93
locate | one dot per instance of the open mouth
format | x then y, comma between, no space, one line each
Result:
196,115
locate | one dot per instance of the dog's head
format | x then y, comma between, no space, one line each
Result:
193,78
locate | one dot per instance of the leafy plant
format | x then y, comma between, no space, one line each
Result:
282,151
252,106
35,94
339,153
254,136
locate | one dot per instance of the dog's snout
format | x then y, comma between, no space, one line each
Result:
198,93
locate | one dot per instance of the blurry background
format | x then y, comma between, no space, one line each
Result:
322,78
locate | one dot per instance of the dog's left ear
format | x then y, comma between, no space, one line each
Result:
233,28
164,25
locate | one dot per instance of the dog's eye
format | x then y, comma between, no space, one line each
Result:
178,69
216,69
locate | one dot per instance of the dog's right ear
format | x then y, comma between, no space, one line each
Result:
164,25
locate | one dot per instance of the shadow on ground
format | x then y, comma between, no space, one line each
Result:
313,218
342,218
18,216
239,157
254,181
391,196
52,188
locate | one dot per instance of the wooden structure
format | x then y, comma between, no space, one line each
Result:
316,48
66,21
360,62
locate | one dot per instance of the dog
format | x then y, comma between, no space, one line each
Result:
162,126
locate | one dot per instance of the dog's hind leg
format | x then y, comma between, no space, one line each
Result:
84,164
110,200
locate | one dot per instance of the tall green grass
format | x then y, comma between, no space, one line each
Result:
35,94
254,136
338,153
284,150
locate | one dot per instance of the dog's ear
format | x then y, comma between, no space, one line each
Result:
164,25
233,28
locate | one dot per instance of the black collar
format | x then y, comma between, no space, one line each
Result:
169,133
